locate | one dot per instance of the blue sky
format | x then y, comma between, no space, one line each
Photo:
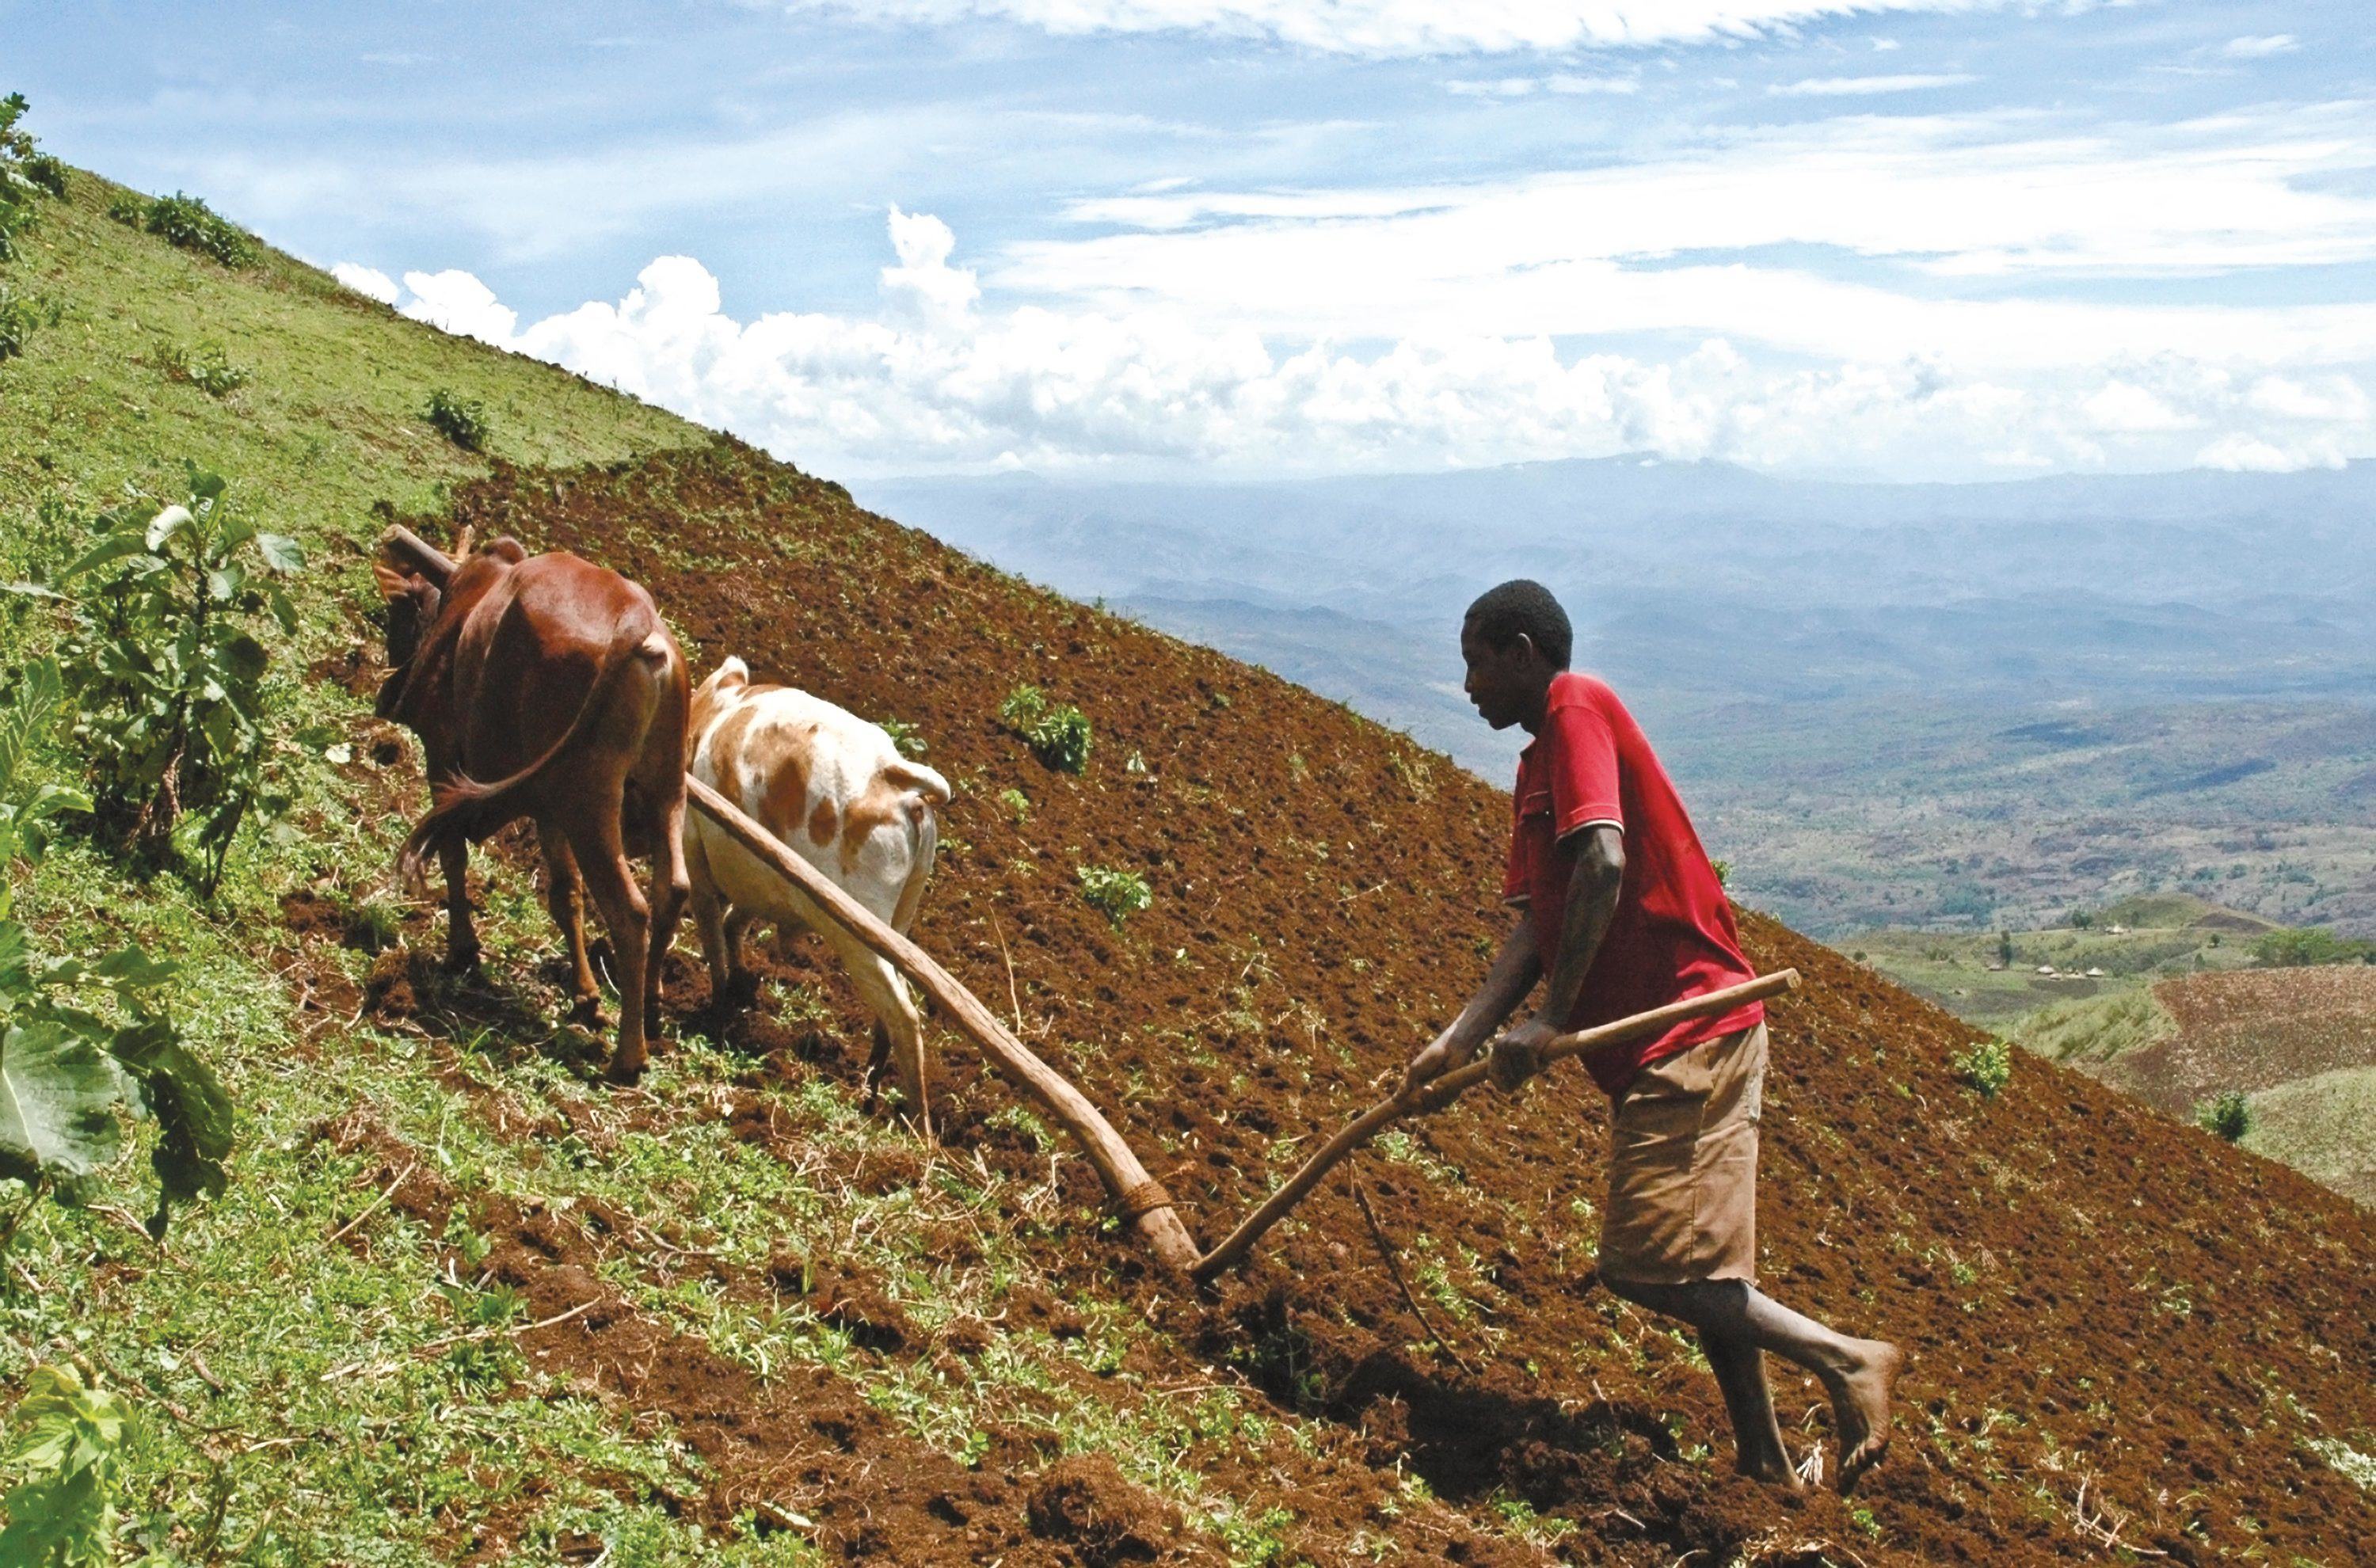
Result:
1912,238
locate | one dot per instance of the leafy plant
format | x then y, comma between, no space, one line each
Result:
1987,1067
166,671
462,420
26,173
66,1073
70,1445
1017,803
206,367
1059,735
187,222
2229,1115
905,736
2309,944
1118,894
21,317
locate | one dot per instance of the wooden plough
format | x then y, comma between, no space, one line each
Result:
1141,1199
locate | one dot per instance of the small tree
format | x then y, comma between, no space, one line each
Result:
26,174
2230,1116
462,420
2004,948
167,673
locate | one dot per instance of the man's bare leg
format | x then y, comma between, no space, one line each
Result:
1757,1435
1857,1373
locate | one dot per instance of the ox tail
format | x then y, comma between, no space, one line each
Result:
928,790
467,809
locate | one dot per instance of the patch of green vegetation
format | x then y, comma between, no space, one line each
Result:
206,367
1058,735
1117,895
462,420
2295,947
1986,1066
2228,1116
2095,1028
2318,1125
187,222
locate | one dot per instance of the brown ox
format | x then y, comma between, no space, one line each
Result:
546,687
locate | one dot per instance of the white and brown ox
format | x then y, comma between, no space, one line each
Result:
834,790
547,687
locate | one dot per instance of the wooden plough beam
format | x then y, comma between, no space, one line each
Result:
1142,1199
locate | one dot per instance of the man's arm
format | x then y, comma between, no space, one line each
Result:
1592,891
1515,970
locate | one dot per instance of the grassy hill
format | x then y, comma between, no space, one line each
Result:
2298,1043
463,1302
2124,947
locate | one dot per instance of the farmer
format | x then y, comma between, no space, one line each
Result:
1624,912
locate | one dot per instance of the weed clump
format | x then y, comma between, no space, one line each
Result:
1058,735
1117,893
206,367
189,223
462,420
25,173
2228,1115
21,317
1986,1067
906,737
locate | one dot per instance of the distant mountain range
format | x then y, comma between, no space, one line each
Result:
1819,627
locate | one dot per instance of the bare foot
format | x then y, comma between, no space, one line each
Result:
1860,1407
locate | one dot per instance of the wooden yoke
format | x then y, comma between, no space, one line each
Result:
1441,1091
1141,1198
416,554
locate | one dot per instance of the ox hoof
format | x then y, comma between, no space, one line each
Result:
586,1013
626,1075
462,960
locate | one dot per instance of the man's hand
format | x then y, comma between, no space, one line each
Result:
1438,1057
1518,1055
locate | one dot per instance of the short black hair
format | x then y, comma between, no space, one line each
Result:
1523,606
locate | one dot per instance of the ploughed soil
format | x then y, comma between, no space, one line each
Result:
2123,1332
2251,1029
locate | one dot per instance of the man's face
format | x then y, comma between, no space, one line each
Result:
1500,682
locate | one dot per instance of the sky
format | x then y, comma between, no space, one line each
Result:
1907,239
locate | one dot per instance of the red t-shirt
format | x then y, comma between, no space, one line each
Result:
1672,935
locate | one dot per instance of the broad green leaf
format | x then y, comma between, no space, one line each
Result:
194,1120
114,547
166,524
281,552
130,969
224,582
58,1098
31,590
204,486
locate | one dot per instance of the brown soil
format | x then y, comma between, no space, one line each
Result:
2251,1029
2091,1297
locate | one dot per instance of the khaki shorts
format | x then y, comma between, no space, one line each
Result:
1682,1166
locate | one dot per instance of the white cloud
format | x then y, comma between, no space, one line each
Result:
1558,82
1408,27
1850,86
2261,48
939,380
1687,243
366,280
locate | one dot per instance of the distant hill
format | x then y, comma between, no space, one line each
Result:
463,1302
1910,705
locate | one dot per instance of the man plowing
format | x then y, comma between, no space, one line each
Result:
1621,912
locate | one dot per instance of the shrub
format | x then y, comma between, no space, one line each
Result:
2230,1116
1118,894
70,1076
906,737
462,420
1058,735
25,174
21,317
1987,1066
167,673
187,222
2309,944
206,367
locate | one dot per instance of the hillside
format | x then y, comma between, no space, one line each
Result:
2125,946
464,1302
2298,1043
